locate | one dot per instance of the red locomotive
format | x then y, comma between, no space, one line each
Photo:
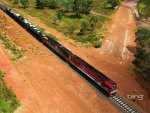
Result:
103,81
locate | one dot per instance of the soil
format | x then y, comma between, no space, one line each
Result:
34,79
42,82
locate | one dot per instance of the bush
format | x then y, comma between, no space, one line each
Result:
40,4
84,27
143,37
144,8
93,21
71,28
25,3
15,1
52,3
93,39
55,20
60,14
113,3
98,44
142,55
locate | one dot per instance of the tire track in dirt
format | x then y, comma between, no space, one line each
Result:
119,36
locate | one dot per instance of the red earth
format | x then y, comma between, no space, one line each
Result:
41,86
42,82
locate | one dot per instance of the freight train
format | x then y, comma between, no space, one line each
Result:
99,78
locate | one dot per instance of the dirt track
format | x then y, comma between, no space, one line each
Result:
121,33
113,59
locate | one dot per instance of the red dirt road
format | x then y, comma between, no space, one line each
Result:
121,33
42,82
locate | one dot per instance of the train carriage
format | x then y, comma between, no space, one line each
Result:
107,84
3,7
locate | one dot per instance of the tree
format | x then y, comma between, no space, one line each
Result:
40,3
71,28
84,27
25,3
60,14
15,1
86,6
76,7
66,5
52,3
93,21
113,3
142,55
143,7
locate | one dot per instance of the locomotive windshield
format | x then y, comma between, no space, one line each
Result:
114,87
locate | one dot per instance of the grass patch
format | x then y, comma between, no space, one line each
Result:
68,24
100,7
8,100
15,51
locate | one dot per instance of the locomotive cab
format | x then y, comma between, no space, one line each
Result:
111,88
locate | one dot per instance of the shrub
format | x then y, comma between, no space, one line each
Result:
144,8
60,14
71,28
142,55
55,20
93,21
98,44
40,4
25,3
84,27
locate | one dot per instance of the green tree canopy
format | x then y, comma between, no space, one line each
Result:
25,3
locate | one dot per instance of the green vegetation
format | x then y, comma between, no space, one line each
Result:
16,52
104,7
72,17
142,55
112,3
8,101
25,3
144,8
15,1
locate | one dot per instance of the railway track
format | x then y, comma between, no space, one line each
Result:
120,102
123,105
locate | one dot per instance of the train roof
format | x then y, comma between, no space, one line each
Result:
3,6
50,39
67,50
95,70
